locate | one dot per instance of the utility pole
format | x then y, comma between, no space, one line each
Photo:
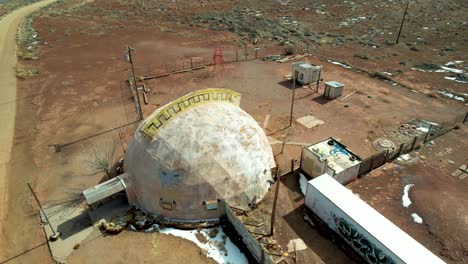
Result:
402,21
130,60
273,211
292,99
55,235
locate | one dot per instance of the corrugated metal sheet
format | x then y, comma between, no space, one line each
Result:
105,189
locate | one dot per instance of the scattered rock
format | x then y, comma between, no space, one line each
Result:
213,232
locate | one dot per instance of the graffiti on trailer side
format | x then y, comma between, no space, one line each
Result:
360,243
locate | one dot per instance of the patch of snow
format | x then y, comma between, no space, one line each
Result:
303,183
454,79
230,253
406,200
417,218
451,95
423,129
340,64
451,69
453,63
404,157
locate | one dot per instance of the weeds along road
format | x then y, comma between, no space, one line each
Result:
8,28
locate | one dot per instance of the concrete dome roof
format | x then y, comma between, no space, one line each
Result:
195,151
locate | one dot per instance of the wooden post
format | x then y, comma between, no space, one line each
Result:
55,235
292,165
237,56
130,57
292,99
282,145
318,81
273,212
191,62
387,152
414,142
402,21
401,149
428,131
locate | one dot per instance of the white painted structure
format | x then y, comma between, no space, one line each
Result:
194,152
369,233
305,72
333,89
331,157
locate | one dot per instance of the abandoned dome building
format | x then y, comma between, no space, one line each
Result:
191,154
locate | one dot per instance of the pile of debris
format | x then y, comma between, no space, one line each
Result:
135,219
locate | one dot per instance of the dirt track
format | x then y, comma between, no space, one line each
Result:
8,27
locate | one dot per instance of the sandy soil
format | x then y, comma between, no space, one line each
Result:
138,248
81,91
11,210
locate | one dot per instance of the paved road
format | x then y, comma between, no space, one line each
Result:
8,28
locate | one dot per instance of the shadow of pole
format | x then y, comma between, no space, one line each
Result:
23,253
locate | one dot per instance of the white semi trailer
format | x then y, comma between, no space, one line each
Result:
365,230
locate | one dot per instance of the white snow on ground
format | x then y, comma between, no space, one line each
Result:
451,95
405,157
451,69
303,183
451,63
340,64
423,129
406,200
417,218
229,253
454,79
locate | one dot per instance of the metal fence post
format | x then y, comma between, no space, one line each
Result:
273,213
387,152
414,142
401,149
428,131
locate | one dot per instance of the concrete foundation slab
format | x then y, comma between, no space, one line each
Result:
76,223
310,121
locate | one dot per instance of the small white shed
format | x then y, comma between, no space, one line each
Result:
333,89
305,72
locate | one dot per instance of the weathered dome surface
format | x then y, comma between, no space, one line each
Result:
195,151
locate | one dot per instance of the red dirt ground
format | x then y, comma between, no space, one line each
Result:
81,91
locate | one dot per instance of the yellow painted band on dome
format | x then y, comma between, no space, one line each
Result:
186,102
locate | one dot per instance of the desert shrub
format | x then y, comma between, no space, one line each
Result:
289,50
25,71
362,56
